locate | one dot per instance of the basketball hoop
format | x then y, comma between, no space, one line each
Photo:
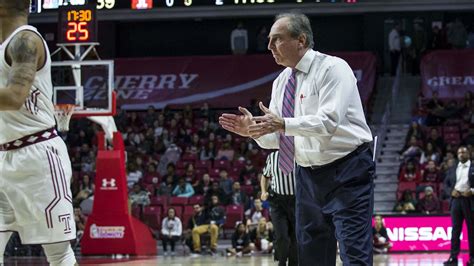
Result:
63,114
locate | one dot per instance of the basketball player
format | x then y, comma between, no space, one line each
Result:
35,170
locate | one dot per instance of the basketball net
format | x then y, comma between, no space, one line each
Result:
63,114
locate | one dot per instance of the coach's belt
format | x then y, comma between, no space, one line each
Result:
361,148
29,140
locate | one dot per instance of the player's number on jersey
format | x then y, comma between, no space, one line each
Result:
77,31
109,4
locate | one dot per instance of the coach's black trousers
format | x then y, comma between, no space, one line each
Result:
282,211
460,211
335,202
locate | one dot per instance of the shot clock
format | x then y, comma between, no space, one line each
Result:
77,24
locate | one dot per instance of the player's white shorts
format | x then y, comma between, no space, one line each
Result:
35,194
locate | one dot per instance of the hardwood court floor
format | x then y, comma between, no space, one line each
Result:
405,259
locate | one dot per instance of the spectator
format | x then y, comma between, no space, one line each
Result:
204,130
447,167
414,131
431,174
183,189
262,236
225,152
200,224
134,120
257,213
429,203
86,189
188,112
249,172
238,197
87,164
80,220
216,190
449,151
173,126
171,229
208,152
193,147
410,173
239,40
151,172
241,153
381,241
134,174
435,108
206,112
167,140
438,39
240,242
225,183
158,127
408,52
150,117
216,211
159,146
429,154
186,132
413,151
171,156
203,185
189,173
436,140
394,45
138,196
148,143
457,34
171,170
166,188
406,203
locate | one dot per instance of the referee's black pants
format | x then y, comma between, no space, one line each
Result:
282,211
336,202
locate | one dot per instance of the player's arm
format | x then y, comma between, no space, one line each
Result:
23,53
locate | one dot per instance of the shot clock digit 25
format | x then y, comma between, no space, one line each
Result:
77,24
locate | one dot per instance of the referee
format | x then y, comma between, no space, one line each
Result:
281,195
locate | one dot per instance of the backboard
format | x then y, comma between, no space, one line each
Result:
89,85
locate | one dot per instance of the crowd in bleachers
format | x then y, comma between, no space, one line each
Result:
429,156
179,161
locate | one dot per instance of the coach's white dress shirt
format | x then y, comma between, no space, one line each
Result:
329,120
462,177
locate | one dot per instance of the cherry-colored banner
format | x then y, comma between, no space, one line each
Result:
423,233
222,81
449,72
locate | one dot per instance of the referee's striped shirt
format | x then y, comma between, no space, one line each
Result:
280,184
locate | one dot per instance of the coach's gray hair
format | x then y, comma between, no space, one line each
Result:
299,24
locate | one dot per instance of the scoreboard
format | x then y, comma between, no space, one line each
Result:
77,24
40,6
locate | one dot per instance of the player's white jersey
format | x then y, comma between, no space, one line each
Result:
37,113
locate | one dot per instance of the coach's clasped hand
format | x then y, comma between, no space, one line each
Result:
266,124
